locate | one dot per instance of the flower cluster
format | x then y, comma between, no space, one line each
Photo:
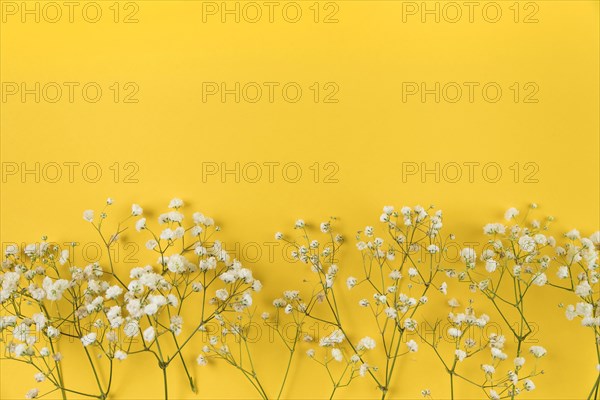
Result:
45,295
190,287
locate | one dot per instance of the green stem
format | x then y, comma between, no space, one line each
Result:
164,370
287,370
594,389
87,353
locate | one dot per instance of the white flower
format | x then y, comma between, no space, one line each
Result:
366,343
351,282
583,289
136,210
11,250
517,270
540,239
325,227
88,215
528,385
412,272
391,312
433,249
363,303
32,394
362,371
540,279
337,355
222,294
460,355
288,309
39,377
526,243
149,334
499,354
88,339
336,336
388,209
584,309
310,353
595,237
537,351
489,369
519,362
131,328
444,288
140,224
177,264
20,349
175,203
395,275
511,213
573,234
300,224
410,324
151,309
490,265
120,355
413,347
52,332
113,292
494,395
491,229
278,236
563,272
201,360
454,332
40,321
64,257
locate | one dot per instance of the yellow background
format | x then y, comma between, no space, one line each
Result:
368,134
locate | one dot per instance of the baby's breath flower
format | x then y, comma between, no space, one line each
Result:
89,339
537,351
351,282
511,213
337,354
201,360
88,215
366,343
413,347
